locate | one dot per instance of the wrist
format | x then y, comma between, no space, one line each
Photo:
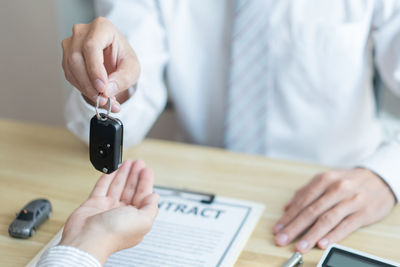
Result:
98,245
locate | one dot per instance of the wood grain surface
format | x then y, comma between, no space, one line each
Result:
40,161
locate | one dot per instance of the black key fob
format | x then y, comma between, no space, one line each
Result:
105,142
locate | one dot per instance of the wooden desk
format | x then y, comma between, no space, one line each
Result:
38,161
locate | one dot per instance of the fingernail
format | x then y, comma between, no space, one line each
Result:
99,85
302,245
116,107
102,100
323,243
282,239
278,227
112,88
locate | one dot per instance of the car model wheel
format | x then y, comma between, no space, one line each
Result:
32,232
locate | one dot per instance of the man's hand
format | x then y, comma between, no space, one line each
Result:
119,212
331,206
98,59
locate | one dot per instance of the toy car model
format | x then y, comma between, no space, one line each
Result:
30,218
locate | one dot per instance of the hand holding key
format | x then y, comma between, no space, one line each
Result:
98,59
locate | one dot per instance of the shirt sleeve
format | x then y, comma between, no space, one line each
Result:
140,22
67,256
386,38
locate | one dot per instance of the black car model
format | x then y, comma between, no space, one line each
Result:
30,218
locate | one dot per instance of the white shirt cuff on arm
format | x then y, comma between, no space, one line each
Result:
385,162
67,256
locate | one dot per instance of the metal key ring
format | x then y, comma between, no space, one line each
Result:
99,117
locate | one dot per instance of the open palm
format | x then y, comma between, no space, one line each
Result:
121,208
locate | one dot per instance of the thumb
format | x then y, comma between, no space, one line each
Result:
149,206
126,75
100,37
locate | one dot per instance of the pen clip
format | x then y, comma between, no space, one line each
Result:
185,194
295,261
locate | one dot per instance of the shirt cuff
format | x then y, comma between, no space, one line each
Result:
67,256
385,163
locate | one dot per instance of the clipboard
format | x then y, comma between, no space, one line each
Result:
188,232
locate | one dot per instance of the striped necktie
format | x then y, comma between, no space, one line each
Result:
246,101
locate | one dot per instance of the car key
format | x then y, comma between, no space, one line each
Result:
105,141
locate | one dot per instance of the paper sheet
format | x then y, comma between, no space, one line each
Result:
190,233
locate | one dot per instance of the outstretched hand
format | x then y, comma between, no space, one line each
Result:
119,212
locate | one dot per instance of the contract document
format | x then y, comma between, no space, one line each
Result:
191,231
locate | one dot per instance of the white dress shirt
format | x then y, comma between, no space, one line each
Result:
66,256
321,55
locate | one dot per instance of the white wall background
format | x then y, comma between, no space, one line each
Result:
30,73
32,84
